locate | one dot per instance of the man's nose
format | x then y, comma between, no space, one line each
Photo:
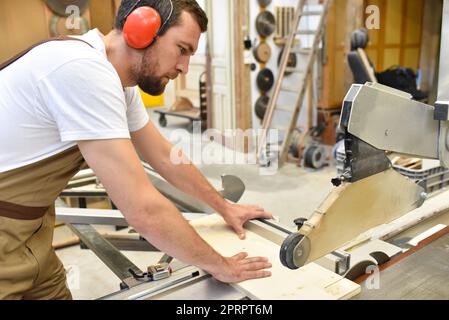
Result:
183,65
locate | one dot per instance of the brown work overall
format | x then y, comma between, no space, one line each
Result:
29,267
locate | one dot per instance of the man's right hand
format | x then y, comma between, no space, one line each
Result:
240,268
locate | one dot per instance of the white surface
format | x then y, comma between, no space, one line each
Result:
309,282
416,240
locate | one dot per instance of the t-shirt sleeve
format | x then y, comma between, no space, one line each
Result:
136,112
85,99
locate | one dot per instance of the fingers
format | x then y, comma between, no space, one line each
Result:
243,268
240,256
268,216
256,208
256,274
259,212
256,266
240,231
256,263
255,259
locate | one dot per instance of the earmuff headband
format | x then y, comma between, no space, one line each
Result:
166,20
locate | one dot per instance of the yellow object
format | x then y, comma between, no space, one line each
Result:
152,101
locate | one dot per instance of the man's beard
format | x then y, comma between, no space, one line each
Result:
147,82
151,85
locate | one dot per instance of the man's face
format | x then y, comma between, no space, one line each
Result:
168,56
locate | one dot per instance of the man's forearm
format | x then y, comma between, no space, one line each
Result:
157,151
165,228
187,178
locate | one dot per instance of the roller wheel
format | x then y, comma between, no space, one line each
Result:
287,250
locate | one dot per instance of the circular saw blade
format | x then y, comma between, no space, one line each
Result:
265,80
265,24
261,106
264,3
262,53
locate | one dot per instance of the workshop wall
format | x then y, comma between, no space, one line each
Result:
25,22
398,41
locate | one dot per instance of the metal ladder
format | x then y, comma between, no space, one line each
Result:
300,89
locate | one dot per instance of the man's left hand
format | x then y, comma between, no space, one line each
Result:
236,215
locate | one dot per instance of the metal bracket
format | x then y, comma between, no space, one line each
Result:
343,262
441,111
122,267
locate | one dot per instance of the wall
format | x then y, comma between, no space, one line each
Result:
398,42
103,14
344,17
25,22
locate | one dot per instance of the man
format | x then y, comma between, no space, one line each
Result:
68,101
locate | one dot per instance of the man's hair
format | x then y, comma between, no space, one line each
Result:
164,8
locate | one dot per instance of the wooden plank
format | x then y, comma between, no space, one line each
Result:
354,20
355,208
344,17
309,282
365,61
423,244
310,104
434,208
430,43
242,72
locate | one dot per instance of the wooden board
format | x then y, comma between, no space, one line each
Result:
307,283
367,65
355,208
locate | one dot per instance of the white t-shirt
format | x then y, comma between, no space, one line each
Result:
59,93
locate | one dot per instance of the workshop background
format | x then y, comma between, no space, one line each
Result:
233,78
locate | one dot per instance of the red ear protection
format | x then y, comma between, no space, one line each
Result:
141,27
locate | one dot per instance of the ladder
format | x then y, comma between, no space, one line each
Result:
299,89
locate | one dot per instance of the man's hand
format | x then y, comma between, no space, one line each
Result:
237,215
240,268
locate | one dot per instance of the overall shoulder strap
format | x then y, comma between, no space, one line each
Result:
24,52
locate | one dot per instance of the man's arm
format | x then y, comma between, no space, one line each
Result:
117,165
156,150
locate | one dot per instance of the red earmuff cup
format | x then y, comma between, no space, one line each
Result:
141,27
